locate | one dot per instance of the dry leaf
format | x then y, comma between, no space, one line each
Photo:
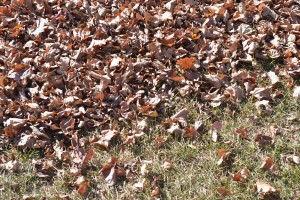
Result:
223,191
180,115
243,133
216,82
267,164
262,93
83,188
167,165
60,76
273,78
266,190
263,107
245,173
175,130
296,92
160,141
109,171
293,159
223,156
13,166
88,156
151,113
216,127
263,187
263,140
186,63
139,186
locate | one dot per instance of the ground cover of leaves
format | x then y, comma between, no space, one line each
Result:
149,99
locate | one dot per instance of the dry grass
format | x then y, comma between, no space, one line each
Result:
195,173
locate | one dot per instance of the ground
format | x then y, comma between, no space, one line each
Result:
149,100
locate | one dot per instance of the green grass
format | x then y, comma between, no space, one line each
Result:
195,173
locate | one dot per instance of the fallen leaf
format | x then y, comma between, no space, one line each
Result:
216,127
263,140
245,173
217,82
293,159
88,156
191,133
139,186
236,177
83,186
180,115
151,113
175,129
13,166
235,93
144,170
223,191
186,63
267,164
111,171
296,92
261,93
243,133
160,141
222,155
263,107
167,165
273,77
265,189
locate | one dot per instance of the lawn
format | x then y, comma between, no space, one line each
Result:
149,99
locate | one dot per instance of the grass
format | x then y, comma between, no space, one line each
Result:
195,173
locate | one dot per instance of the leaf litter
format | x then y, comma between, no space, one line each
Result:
67,67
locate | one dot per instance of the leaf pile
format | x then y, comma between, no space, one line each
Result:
69,66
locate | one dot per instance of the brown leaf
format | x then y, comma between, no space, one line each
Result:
235,93
273,77
139,186
245,173
186,63
236,177
216,127
67,124
20,67
214,80
222,155
180,115
13,166
151,114
160,141
191,133
267,164
296,92
105,138
293,159
264,188
155,192
243,133
167,165
223,191
88,156
170,5
83,186
262,93
263,107
263,140
27,141
175,129
109,171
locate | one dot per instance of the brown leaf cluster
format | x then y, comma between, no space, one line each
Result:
67,67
